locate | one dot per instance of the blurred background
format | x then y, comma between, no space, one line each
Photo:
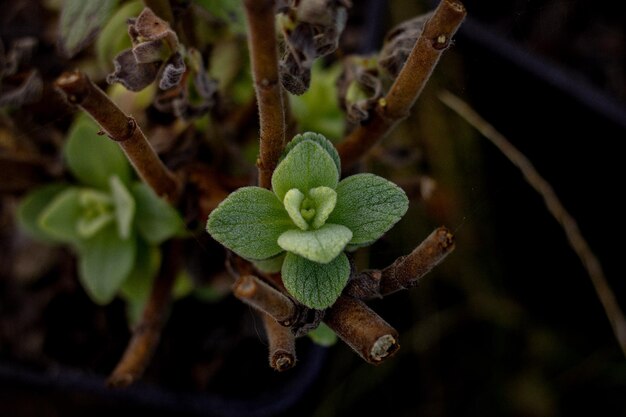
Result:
508,325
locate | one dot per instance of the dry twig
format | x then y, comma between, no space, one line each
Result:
262,297
395,106
260,15
147,333
406,271
282,344
562,216
80,90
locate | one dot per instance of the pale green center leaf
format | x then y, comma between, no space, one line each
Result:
368,205
321,245
87,226
249,222
124,206
306,166
325,200
293,203
315,285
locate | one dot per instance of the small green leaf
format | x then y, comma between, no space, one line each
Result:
80,22
249,222
317,138
306,166
315,285
105,262
59,219
124,206
96,212
323,335
93,158
321,245
227,10
293,202
368,205
324,199
33,205
156,219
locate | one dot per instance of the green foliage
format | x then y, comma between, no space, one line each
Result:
323,335
310,216
228,11
114,224
80,22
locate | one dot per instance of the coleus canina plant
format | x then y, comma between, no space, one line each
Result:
304,226
113,222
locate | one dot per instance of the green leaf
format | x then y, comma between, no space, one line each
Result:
315,285
80,22
138,284
124,206
93,158
317,138
306,166
59,219
105,262
248,222
323,335
96,212
33,205
156,219
293,202
321,245
324,199
368,205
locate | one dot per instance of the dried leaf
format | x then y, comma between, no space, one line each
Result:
150,27
130,74
399,42
172,72
151,51
28,92
359,87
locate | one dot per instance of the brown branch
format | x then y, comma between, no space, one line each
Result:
362,329
282,344
260,15
395,106
555,207
147,333
406,271
80,90
266,299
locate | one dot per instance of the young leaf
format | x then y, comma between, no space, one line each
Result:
369,206
324,199
80,23
249,222
139,282
92,158
306,166
156,220
59,219
33,205
315,285
105,262
321,245
317,138
124,206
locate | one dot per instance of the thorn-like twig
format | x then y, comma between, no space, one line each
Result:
147,333
80,90
565,219
362,329
282,344
395,106
260,15
264,298
406,271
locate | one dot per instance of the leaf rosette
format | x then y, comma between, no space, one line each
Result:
303,227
